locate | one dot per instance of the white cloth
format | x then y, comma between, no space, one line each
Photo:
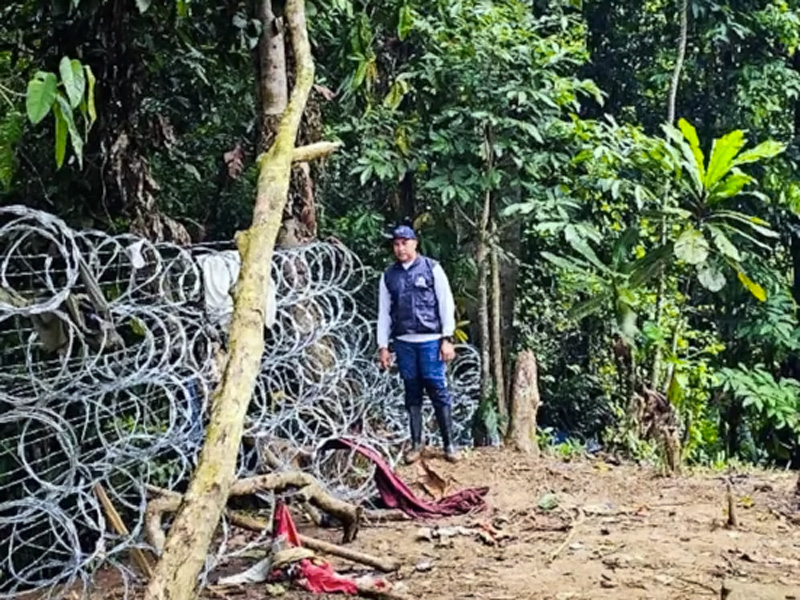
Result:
220,271
447,310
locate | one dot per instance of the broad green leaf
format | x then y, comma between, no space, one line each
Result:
730,186
396,93
711,278
722,154
580,245
646,268
734,231
751,285
405,22
753,223
41,95
90,95
61,134
624,244
74,134
587,307
692,247
690,133
564,263
625,295
724,244
689,161
766,149
360,74
73,79
143,5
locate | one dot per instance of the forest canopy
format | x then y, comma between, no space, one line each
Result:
611,184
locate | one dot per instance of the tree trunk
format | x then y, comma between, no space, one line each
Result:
482,258
525,402
656,368
676,72
186,548
273,80
497,330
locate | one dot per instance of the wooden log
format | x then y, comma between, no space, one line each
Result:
118,524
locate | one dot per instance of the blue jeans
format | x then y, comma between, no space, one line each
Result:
422,369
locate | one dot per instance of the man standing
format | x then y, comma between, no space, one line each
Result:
416,312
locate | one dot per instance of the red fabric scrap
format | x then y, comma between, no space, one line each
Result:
322,579
316,578
396,494
283,525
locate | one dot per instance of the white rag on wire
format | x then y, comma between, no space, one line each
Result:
220,271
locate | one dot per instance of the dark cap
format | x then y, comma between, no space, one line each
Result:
405,232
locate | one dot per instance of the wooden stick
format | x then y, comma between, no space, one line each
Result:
310,490
170,501
118,524
387,565
733,521
565,543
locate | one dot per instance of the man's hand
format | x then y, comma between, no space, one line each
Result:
447,352
385,358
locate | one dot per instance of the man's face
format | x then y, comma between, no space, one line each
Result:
405,250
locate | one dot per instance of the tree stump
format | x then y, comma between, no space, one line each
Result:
525,402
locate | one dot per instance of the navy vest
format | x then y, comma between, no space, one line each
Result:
415,308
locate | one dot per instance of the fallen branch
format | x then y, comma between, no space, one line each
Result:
575,523
169,501
118,524
386,565
310,491
387,514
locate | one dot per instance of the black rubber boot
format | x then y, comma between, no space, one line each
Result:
444,418
415,425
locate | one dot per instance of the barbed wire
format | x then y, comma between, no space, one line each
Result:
110,353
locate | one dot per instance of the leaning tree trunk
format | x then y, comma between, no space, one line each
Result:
658,357
496,328
525,402
482,258
186,548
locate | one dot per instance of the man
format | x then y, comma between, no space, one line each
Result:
416,312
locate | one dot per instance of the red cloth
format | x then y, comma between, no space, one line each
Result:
315,578
322,579
396,494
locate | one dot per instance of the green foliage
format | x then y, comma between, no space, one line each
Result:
47,94
439,104
772,405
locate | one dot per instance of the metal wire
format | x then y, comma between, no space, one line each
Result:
118,395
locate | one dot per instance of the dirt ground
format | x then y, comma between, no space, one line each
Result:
629,533
587,529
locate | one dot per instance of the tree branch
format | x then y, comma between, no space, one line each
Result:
315,151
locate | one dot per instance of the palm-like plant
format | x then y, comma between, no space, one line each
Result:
711,227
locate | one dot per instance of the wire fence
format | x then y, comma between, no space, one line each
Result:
110,348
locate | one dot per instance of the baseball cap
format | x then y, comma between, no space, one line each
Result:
405,232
